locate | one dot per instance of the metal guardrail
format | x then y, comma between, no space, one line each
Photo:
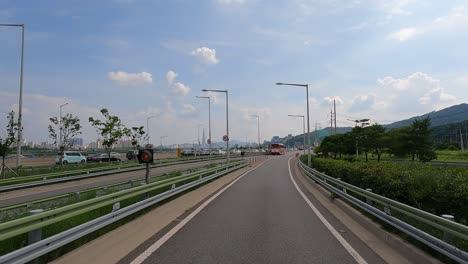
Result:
43,180
30,204
34,222
341,189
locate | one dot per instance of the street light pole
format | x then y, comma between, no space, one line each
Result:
227,118
258,128
309,159
60,126
147,129
209,119
20,104
303,128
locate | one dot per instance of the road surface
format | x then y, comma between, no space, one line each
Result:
261,218
40,192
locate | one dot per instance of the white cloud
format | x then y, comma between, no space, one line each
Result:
231,2
329,100
180,89
125,78
363,103
207,55
170,77
149,111
404,34
188,109
417,93
452,23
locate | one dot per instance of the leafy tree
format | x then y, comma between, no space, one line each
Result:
414,140
337,144
6,142
137,136
70,128
111,130
376,140
421,140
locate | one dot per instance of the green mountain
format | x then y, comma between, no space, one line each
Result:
446,125
449,115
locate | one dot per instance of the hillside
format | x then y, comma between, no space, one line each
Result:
445,124
449,115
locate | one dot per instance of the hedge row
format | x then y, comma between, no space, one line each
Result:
438,190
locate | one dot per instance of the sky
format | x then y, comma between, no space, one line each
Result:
380,59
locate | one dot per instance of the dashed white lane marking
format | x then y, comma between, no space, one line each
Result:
335,233
174,230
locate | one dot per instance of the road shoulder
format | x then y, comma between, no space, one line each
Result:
391,248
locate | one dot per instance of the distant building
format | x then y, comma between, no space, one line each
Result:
76,141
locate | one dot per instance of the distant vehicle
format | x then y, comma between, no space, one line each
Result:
205,152
101,158
188,152
235,151
70,157
277,149
219,152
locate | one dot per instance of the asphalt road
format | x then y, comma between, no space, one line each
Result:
260,219
35,193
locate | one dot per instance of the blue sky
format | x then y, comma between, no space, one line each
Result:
384,60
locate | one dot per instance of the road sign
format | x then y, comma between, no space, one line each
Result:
208,141
225,138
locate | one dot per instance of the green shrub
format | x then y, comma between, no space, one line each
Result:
437,190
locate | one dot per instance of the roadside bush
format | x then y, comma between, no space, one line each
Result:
437,190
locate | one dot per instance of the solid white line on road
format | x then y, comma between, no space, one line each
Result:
335,233
174,230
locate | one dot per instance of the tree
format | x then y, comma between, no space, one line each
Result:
421,140
69,127
414,140
377,140
137,136
7,141
111,130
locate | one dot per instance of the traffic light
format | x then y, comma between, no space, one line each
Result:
145,156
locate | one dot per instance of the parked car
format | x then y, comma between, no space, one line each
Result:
188,152
219,152
235,151
70,157
102,158
205,152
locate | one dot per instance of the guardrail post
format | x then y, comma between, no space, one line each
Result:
387,210
447,237
368,200
143,195
344,189
35,235
115,206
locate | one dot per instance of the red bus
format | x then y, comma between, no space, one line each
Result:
277,149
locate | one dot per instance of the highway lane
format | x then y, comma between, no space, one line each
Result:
35,193
261,218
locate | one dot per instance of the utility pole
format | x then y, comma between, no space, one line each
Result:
466,137
316,138
334,106
331,121
462,146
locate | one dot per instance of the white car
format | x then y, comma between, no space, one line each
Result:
235,151
219,152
